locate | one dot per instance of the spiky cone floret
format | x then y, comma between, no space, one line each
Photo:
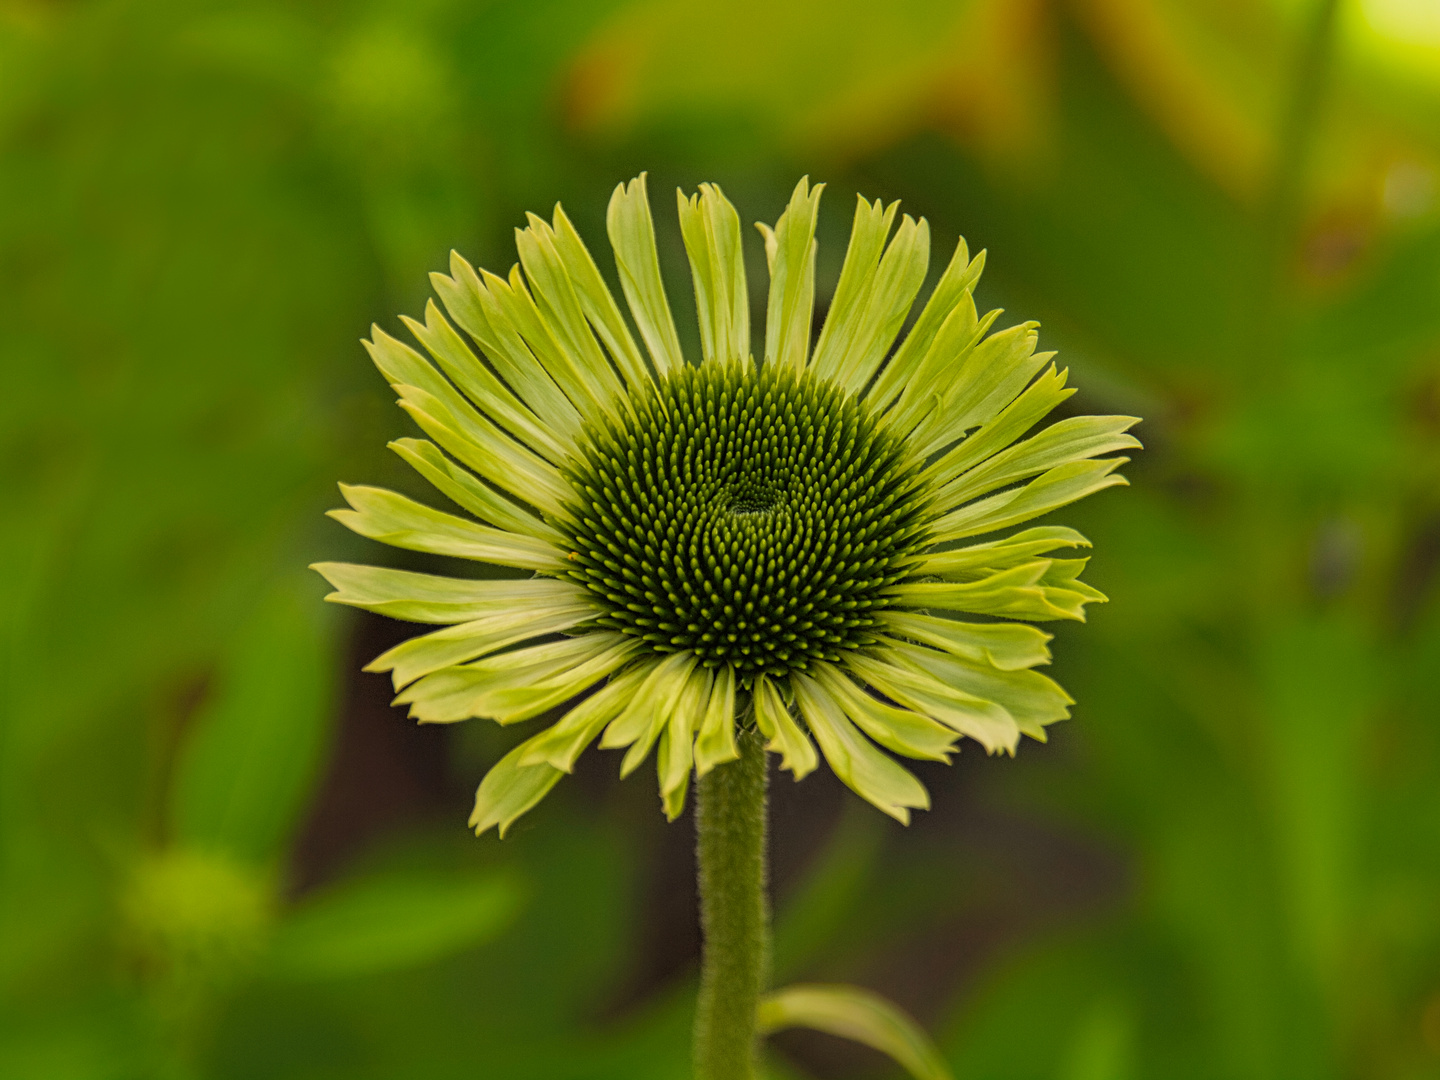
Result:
792,543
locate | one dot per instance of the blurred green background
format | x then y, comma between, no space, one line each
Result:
223,855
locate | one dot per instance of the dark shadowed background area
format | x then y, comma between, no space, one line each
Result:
223,855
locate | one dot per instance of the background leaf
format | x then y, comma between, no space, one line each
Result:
249,761
852,1013
392,921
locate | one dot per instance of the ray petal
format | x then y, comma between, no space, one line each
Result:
951,291
859,763
790,254
711,230
598,303
772,717
404,523
632,235
715,743
510,789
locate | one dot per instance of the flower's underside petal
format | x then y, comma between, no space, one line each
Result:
517,685
510,789
873,297
901,730
711,230
773,718
715,744
597,302
1074,439
484,448
790,254
977,560
1027,591
419,656
404,523
1059,486
987,722
530,695
1007,646
562,743
1039,398
430,598
1034,700
861,765
471,303
466,491
951,291
644,717
478,383
632,235
677,741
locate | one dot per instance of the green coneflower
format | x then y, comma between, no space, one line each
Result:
724,538
722,545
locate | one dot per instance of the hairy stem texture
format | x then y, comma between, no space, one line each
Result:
734,913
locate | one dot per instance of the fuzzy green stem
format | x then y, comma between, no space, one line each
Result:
734,913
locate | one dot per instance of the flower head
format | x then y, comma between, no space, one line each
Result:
716,542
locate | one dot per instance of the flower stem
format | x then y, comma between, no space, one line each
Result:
734,913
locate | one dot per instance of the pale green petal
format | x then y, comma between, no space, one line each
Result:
598,304
404,523
716,744
857,761
530,693
482,446
632,235
1021,592
561,744
987,722
673,800
867,241
480,385
953,289
1061,485
677,741
1027,410
923,396
873,297
1034,700
1073,439
403,366
772,717
1007,646
463,488
900,730
429,598
509,789
516,685
471,303
594,393
647,713
559,303
858,1015
421,655
711,230
977,560
993,374
790,253
1065,574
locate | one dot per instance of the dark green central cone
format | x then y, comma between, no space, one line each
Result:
748,515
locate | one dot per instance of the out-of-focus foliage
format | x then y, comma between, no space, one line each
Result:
1227,214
